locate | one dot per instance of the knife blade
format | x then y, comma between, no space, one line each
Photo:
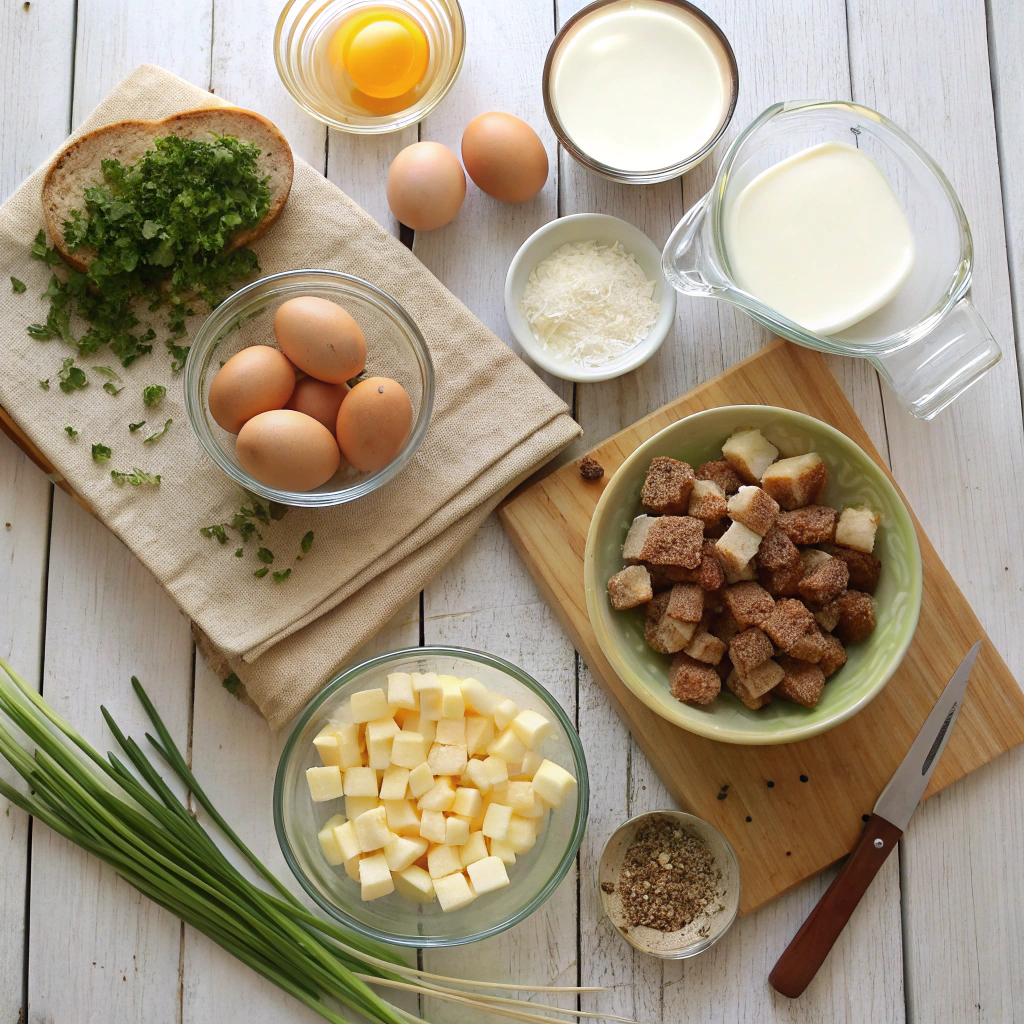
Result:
892,812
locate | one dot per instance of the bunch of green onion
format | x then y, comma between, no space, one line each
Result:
137,824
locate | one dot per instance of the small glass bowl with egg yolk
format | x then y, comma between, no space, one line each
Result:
369,68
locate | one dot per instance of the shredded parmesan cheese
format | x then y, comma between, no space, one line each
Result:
589,303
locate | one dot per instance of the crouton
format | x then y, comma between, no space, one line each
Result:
746,572
636,538
827,617
856,529
749,603
856,616
657,606
721,473
777,551
834,657
663,633
749,649
736,547
752,507
753,687
735,684
672,541
810,647
796,482
590,468
801,683
707,502
826,583
724,626
711,575
749,454
669,575
705,647
713,603
659,580
692,680
811,559
667,487
788,622
782,582
686,602
630,588
864,568
815,524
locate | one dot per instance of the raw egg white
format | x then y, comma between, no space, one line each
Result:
425,186
255,380
504,156
287,449
320,338
318,399
374,423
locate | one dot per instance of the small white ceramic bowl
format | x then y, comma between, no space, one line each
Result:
582,227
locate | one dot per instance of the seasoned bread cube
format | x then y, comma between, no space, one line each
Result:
754,508
801,683
749,649
707,502
705,647
864,568
815,524
810,647
826,583
777,551
636,538
736,547
713,603
856,616
796,482
667,487
630,588
667,635
857,528
673,541
788,623
834,657
749,454
754,689
711,575
782,582
668,575
721,473
724,626
811,559
749,603
827,617
657,606
692,681
686,602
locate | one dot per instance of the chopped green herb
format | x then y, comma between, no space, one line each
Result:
160,433
153,395
135,426
17,286
265,555
231,684
112,389
41,251
238,552
280,577
217,530
307,542
113,385
72,378
278,511
71,432
179,353
100,453
45,384
135,478
260,573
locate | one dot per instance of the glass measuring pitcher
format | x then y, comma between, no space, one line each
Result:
928,341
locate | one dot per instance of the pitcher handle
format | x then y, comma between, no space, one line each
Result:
683,258
932,372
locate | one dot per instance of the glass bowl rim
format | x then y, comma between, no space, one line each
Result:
234,306
568,856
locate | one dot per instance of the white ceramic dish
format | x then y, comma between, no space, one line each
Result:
606,230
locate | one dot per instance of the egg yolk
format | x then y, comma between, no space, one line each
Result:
385,52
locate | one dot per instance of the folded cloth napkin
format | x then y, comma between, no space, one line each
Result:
494,422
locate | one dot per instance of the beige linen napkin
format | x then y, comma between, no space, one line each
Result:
494,422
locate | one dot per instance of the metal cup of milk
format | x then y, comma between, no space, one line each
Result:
830,226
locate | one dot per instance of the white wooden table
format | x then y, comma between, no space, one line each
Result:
940,936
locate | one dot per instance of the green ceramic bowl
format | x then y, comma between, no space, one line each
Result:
853,478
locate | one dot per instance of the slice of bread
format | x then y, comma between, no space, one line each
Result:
78,164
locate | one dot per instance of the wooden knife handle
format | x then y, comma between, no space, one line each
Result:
817,935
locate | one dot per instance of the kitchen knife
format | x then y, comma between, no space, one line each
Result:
892,812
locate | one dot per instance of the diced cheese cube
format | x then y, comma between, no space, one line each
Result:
403,818
499,795
531,727
456,831
476,774
475,848
421,779
429,689
400,692
375,877
367,705
479,698
521,834
350,745
379,752
504,713
426,727
552,782
345,837
356,805
479,732
496,821
531,762
352,867
508,746
395,783
372,829
408,750
432,826
443,860
329,841
361,781
452,703
501,849
453,891
520,797
447,758
402,852
324,783
415,885
381,729
451,730
326,743
468,801
487,874
439,797
495,770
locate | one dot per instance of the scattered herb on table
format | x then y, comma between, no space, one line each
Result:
266,556
179,353
71,377
217,530
132,427
239,552
136,477
100,453
114,384
17,286
45,384
260,573
71,432
306,544
160,433
281,576
231,684
153,395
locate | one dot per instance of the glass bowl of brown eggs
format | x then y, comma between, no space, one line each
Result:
310,388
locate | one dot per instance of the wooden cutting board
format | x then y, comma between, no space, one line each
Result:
784,829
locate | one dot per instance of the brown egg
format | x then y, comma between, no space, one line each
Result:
255,380
318,399
373,423
321,338
504,156
288,450
426,186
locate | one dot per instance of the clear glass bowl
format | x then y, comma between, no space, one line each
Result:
393,919
394,348
303,35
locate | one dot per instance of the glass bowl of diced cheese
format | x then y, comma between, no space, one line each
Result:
431,796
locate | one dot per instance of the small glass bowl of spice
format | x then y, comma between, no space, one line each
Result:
670,884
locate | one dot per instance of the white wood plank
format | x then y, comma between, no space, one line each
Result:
927,68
